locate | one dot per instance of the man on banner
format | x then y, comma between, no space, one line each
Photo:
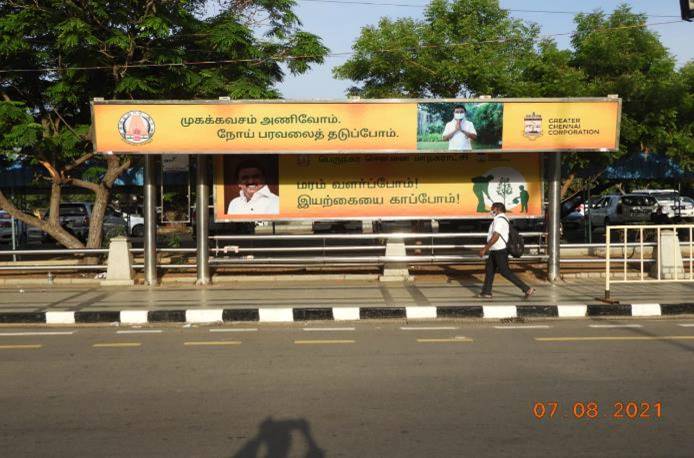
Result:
255,196
459,131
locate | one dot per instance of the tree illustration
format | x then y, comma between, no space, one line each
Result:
504,188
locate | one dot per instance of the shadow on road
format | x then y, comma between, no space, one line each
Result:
274,440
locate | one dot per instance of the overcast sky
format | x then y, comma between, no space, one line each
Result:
339,26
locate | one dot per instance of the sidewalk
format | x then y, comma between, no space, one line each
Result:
326,294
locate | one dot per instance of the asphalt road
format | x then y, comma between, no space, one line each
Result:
369,389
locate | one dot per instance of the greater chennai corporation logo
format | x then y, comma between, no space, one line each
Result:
532,126
136,127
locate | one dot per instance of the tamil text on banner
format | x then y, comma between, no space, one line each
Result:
255,127
290,187
394,126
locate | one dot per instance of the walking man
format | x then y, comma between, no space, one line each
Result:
498,254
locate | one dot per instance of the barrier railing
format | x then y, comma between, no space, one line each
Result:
671,255
315,249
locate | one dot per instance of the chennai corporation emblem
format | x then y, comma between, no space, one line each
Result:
136,127
533,126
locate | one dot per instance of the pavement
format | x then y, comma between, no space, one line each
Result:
608,388
301,300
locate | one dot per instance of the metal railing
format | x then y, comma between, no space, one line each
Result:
649,235
316,249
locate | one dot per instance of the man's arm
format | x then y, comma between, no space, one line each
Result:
448,133
490,243
470,131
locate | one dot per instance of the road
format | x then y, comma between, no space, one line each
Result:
370,389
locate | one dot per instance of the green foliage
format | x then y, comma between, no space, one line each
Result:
487,119
120,37
454,51
472,47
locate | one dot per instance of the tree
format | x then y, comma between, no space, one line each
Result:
472,47
58,55
460,48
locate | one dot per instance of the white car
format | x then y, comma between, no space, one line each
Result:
671,201
684,207
136,224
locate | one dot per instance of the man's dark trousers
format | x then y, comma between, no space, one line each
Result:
498,262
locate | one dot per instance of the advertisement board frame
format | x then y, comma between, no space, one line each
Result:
357,101
215,196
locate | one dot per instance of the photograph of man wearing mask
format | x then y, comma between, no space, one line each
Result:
459,131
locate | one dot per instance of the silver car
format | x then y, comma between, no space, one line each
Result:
626,209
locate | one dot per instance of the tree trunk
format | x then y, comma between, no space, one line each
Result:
567,184
96,222
52,225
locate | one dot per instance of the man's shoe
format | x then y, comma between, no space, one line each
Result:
484,296
529,292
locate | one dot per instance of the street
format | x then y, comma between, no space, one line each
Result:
373,389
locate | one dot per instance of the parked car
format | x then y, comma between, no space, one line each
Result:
75,217
625,209
20,230
673,204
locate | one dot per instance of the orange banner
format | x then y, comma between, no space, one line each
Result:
393,126
375,186
261,127
561,126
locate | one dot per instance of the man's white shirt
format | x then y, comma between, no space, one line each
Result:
263,202
499,225
459,141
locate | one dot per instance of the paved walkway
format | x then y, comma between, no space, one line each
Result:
325,293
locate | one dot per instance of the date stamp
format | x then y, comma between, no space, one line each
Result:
620,410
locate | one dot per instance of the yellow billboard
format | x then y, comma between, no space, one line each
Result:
354,186
363,126
560,126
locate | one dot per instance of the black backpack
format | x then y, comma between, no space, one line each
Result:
515,244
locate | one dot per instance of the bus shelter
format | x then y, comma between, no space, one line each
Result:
386,159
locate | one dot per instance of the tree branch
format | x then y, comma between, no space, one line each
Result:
114,170
10,208
79,161
55,176
83,184
81,137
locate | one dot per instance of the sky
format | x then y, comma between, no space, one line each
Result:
339,25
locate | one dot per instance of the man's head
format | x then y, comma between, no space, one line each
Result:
250,177
498,208
459,112
521,187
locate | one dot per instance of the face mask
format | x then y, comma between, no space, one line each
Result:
459,116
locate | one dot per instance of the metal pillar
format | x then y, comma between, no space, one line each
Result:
202,222
150,222
554,211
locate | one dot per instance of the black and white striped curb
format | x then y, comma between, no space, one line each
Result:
291,314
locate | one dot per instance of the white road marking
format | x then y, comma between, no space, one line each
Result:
534,326
686,325
49,333
141,331
234,330
323,342
328,329
615,326
211,344
453,340
428,328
